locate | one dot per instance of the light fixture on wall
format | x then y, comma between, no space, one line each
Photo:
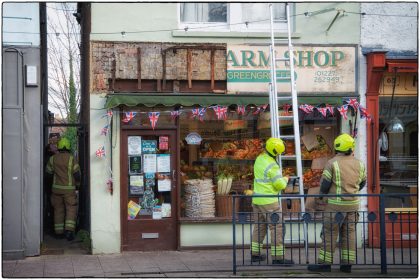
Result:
395,126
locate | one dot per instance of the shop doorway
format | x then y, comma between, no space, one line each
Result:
51,244
149,183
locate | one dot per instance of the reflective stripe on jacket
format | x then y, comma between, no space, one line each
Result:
267,179
63,166
345,174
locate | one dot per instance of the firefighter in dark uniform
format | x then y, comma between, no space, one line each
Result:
268,180
66,172
342,174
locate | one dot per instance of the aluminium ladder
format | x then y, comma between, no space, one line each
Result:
292,96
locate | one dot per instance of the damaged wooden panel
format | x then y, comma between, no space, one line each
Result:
153,61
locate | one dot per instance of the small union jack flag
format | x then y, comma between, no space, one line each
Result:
108,114
104,130
364,113
198,113
307,108
260,109
323,111
343,111
129,116
330,109
286,107
153,117
175,114
241,109
100,153
221,112
353,103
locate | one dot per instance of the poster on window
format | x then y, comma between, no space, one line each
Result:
164,163
163,143
164,182
134,145
133,210
149,165
136,185
134,164
148,146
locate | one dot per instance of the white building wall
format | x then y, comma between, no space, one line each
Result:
390,32
105,208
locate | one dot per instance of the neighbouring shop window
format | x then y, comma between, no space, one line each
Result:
217,157
398,159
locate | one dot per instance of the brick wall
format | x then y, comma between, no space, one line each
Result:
125,55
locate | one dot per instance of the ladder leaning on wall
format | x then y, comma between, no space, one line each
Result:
275,97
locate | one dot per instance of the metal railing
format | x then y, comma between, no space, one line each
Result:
382,238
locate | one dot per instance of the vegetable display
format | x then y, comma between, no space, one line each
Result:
240,149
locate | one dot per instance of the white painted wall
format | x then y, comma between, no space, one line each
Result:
390,32
21,17
105,208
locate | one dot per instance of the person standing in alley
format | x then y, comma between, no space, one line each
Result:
66,175
268,180
342,174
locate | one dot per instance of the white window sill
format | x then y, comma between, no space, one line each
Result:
232,34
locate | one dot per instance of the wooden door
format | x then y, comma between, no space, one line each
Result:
149,180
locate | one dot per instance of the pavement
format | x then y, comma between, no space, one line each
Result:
175,264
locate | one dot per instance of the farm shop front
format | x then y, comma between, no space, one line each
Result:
186,148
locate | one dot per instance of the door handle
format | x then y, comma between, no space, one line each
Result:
173,179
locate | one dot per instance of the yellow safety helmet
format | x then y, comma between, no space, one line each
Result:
274,146
344,143
64,143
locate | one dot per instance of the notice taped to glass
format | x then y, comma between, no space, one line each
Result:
134,164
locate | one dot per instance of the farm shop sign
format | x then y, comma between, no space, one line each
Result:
318,69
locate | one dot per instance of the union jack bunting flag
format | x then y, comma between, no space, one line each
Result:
129,116
241,109
343,111
330,108
198,113
307,108
221,112
364,113
100,153
153,117
108,114
323,111
260,109
286,107
353,103
104,130
175,114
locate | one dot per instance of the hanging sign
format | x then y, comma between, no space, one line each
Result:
148,146
318,69
193,138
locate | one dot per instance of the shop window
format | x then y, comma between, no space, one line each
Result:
203,12
398,160
217,158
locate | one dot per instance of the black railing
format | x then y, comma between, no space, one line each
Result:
382,238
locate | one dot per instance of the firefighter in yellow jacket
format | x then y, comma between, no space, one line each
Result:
343,174
66,174
268,180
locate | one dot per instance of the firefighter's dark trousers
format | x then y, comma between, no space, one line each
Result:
65,211
263,218
339,225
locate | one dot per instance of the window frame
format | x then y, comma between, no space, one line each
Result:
234,16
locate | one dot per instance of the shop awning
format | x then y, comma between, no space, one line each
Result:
153,99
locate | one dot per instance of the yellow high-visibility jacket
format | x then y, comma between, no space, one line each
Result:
267,179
